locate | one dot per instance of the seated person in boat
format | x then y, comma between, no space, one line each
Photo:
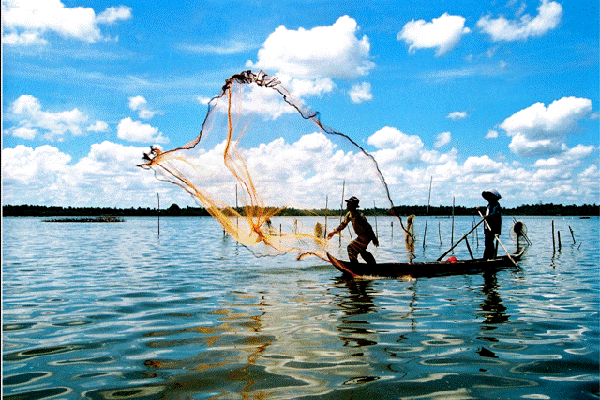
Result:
493,225
363,230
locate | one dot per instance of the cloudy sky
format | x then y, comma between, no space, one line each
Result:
470,94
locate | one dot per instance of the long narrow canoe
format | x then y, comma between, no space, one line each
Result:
423,269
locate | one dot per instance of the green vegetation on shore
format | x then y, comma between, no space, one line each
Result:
175,211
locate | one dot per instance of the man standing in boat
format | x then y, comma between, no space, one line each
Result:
363,230
493,225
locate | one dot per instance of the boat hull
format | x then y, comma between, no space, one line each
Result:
423,269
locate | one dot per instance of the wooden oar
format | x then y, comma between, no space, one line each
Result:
498,239
460,240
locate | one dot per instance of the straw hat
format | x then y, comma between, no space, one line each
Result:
491,195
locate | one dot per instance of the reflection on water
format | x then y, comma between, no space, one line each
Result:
493,310
114,313
355,332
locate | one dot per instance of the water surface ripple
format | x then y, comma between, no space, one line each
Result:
114,311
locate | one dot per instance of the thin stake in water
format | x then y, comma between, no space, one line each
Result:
375,213
427,213
572,235
453,204
553,242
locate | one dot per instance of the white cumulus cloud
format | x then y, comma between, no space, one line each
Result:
492,134
98,126
136,131
114,14
539,130
443,139
139,104
502,29
107,176
442,33
309,168
361,92
323,51
27,165
32,120
28,21
300,87
455,116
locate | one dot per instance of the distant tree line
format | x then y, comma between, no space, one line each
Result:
54,211
175,211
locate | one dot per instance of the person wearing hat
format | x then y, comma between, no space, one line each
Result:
363,230
493,225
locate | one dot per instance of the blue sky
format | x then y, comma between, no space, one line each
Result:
472,94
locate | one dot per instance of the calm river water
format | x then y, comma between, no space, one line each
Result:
114,311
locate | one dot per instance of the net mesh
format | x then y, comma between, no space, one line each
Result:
261,154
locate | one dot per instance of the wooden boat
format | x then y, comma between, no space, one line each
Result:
424,269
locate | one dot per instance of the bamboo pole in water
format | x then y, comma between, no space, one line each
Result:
157,214
572,235
342,207
427,213
375,213
326,200
559,242
453,203
553,242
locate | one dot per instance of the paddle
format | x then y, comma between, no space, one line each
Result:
498,239
460,240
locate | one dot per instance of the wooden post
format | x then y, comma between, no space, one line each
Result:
326,200
236,208
375,214
342,202
572,235
553,243
392,227
427,213
453,203
157,215
473,233
559,242
440,232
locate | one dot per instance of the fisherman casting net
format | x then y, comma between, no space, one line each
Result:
260,154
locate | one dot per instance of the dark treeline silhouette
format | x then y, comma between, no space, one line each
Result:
53,211
175,211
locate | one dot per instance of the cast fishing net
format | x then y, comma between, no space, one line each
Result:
261,155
